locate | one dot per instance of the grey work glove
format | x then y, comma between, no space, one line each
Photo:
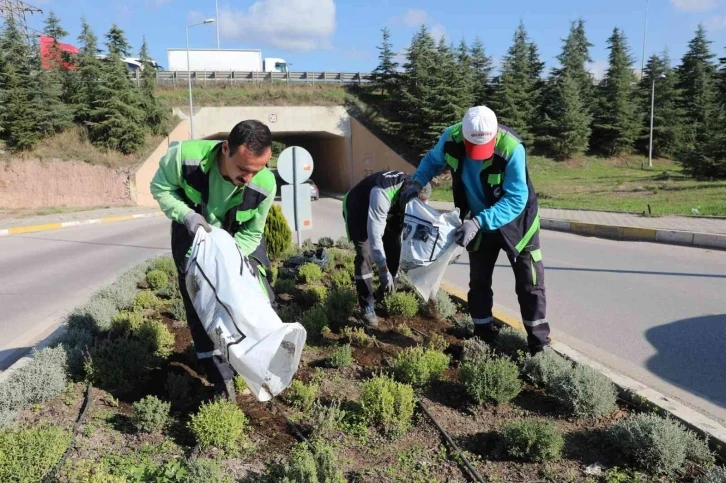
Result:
410,193
193,221
466,232
386,279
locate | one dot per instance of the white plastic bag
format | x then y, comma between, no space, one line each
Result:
428,245
238,317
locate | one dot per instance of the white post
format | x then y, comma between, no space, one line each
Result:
216,9
189,80
652,109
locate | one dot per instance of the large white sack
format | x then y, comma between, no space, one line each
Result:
238,317
428,246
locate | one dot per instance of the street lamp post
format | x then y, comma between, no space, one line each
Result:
216,10
645,30
189,79
652,110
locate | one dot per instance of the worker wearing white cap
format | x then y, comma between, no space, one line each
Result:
499,210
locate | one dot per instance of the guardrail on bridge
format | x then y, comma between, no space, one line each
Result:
212,78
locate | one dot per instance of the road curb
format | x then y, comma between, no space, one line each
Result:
19,230
634,392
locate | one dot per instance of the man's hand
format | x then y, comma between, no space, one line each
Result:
466,232
410,193
193,221
386,280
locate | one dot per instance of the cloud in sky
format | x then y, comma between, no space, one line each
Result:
301,25
415,17
715,23
695,5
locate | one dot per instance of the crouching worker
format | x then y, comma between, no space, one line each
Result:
225,184
373,217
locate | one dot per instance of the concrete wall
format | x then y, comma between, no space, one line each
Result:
370,154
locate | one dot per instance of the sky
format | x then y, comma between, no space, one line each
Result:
342,35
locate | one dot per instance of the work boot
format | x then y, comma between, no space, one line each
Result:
369,316
225,390
486,332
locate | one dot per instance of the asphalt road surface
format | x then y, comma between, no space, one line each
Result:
655,312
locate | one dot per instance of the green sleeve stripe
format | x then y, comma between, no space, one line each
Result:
452,161
536,255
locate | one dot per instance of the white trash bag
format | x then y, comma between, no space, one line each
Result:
238,317
427,246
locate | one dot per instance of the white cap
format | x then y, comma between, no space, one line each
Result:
480,128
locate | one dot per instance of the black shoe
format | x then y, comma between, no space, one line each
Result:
486,332
225,390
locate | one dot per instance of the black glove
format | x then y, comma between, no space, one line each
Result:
466,232
193,221
410,193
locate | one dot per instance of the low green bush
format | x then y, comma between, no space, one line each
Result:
475,349
171,291
157,280
177,310
401,303
28,454
657,445
307,466
127,322
178,387
443,307
205,471
511,341
340,305
285,285
357,336
420,367
340,279
150,414
290,313
716,474
220,424
586,392
314,320
344,244
491,380
438,342
158,338
301,395
326,242
535,440
341,357
543,368
166,264
95,316
239,384
403,329
146,300
310,273
325,420
75,341
464,324
388,404
118,364
315,295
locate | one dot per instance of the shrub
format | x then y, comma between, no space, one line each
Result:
310,273
157,280
150,414
118,364
277,234
357,336
586,392
341,357
177,310
420,367
344,244
146,300
219,424
403,329
178,387
475,349
239,384
464,324
74,342
28,454
314,320
285,285
532,439
315,295
340,279
511,341
207,471
387,403
443,307
170,292
493,380
545,367
438,342
158,338
95,316
127,322
166,264
325,420
714,475
301,396
341,304
289,313
326,242
657,445
304,465
400,303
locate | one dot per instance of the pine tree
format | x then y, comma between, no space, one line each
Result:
575,54
385,75
117,120
565,121
617,120
450,94
464,74
515,97
86,87
157,116
668,116
697,82
278,236
54,115
481,66
722,75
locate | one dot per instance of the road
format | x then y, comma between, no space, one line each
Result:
654,312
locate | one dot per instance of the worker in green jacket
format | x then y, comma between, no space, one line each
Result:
225,184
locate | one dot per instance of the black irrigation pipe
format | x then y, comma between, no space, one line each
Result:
292,425
472,472
76,429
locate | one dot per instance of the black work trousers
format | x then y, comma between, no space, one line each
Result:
529,286
364,266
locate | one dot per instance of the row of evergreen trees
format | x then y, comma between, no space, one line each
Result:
567,113
97,95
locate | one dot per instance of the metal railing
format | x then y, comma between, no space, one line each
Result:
211,78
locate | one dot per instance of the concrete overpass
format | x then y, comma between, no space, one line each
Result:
344,151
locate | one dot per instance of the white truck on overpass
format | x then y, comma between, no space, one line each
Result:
223,60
